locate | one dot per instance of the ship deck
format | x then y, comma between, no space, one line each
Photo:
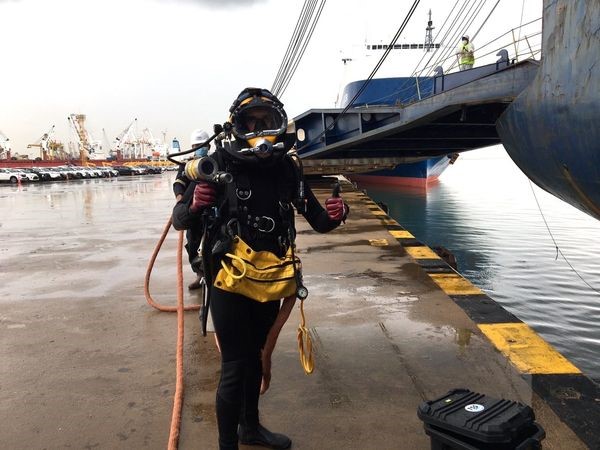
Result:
460,116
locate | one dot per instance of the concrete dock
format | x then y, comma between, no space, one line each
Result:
86,363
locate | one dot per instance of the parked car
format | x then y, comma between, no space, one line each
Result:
90,172
109,171
80,172
42,174
12,176
47,173
70,172
126,170
151,169
30,174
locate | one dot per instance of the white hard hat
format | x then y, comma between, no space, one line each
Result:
466,36
198,136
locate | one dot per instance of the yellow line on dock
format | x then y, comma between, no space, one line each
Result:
421,252
379,212
454,284
526,349
401,234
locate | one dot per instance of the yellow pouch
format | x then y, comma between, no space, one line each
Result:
261,276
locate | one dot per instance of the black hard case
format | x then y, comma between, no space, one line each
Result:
501,424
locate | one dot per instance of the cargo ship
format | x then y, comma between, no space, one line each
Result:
394,91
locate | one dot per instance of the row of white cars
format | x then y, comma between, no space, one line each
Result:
55,173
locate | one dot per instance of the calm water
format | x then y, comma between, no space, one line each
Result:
484,211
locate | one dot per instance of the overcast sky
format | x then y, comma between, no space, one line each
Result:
176,65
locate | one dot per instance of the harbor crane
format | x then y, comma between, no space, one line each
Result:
43,143
155,148
77,121
4,146
127,136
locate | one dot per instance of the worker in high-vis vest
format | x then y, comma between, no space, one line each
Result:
466,54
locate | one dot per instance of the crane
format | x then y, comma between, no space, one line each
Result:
154,145
43,143
125,137
4,146
77,121
106,144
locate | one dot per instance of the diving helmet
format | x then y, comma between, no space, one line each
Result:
256,114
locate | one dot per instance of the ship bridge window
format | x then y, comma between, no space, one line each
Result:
414,45
420,45
405,46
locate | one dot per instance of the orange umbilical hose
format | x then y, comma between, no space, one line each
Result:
149,298
178,396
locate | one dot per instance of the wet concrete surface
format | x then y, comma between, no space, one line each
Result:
86,363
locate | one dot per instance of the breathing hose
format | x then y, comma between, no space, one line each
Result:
180,309
149,298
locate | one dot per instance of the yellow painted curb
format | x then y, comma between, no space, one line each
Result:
421,252
453,284
526,349
401,234
379,212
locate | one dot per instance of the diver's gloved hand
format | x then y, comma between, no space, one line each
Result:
336,209
205,195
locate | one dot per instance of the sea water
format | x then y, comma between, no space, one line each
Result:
484,211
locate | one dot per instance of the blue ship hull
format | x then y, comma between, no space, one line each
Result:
419,173
393,92
552,129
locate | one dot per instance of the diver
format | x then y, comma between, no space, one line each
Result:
198,139
256,209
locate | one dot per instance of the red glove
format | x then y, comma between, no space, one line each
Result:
205,195
336,210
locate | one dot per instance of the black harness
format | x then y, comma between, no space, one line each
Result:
235,215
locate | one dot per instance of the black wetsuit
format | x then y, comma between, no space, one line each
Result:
242,324
193,234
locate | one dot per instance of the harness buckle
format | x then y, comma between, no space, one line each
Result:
230,228
265,224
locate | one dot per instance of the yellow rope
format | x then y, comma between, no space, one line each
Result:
306,357
230,273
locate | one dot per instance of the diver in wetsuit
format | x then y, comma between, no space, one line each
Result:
193,234
259,207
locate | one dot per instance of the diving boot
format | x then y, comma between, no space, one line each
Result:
262,436
196,284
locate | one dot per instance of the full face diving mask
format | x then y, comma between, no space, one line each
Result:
258,119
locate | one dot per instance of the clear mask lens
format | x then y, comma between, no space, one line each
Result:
257,119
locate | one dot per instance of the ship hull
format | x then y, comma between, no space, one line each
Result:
551,130
392,92
422,173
